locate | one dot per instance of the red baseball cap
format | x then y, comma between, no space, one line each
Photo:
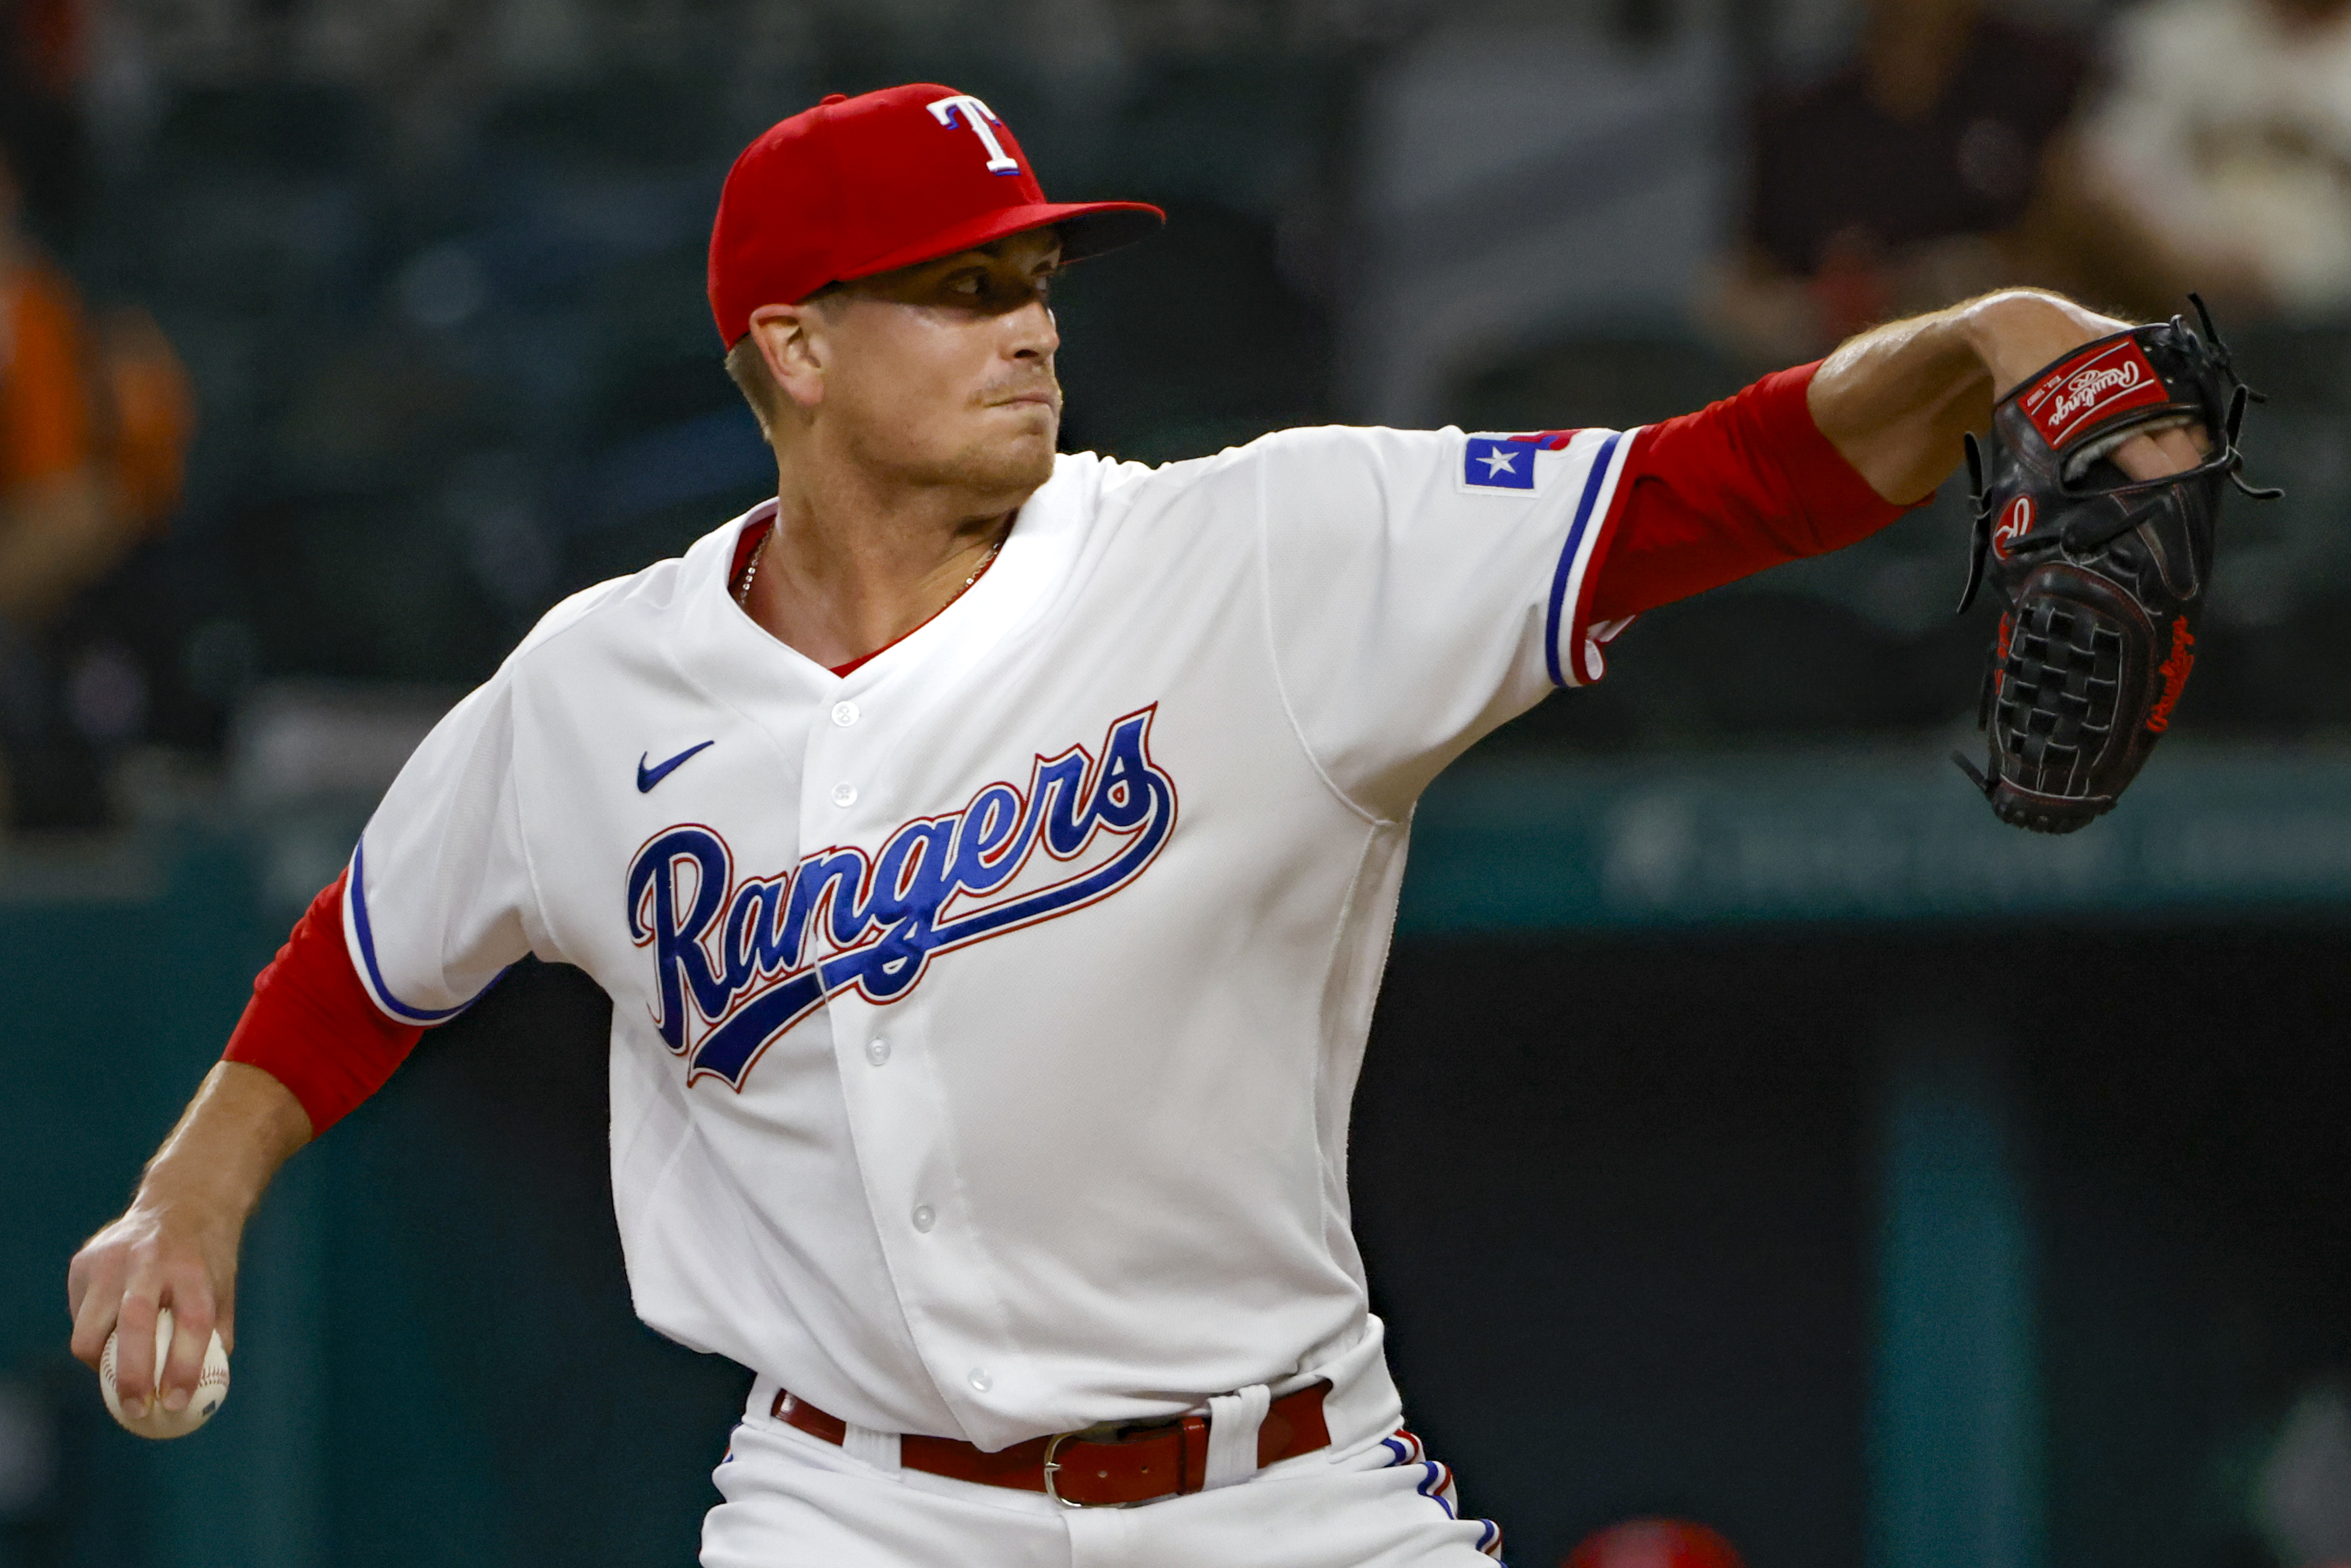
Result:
860,185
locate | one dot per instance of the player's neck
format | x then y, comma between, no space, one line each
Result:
851,566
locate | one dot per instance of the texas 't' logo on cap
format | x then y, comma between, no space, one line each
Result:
861,185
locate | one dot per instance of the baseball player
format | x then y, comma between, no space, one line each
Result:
991,856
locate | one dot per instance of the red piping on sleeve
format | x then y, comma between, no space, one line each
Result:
313,1027
1718,495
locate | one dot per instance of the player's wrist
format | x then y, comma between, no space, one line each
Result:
182,1199
242,1126
200,1191
2018,331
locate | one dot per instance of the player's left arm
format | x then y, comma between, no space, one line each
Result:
1896,400
1418,601
1814,459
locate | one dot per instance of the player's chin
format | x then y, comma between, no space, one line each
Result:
1025,422
1019,460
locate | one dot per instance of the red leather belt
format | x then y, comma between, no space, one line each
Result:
1102,1468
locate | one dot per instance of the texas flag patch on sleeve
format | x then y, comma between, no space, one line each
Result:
1506,463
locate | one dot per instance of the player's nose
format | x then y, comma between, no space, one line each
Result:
1031,333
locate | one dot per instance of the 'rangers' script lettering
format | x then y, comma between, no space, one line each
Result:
749,959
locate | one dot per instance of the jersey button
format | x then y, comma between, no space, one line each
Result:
924,1218
877,1051
844,714
979,1379
844,794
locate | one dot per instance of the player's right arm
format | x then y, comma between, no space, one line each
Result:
311,1046
435,903
176,1245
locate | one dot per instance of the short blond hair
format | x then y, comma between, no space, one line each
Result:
748,369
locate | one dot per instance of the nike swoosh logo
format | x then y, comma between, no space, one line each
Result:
649,777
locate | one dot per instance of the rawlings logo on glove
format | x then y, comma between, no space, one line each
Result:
2174,671
2013,525
2096,570
2095,384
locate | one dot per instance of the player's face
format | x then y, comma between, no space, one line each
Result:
942,373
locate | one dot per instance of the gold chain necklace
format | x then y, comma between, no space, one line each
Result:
759,552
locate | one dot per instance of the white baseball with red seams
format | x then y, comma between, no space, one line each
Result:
985,1021
156,1422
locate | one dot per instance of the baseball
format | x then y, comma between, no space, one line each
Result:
212,1386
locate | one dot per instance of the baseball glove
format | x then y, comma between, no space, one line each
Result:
2103,578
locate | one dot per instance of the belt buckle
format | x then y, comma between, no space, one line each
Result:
1053,1446
1107,1430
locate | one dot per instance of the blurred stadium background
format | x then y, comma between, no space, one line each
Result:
1753,1132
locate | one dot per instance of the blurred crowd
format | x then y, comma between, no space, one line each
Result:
433,273
96,413
339,339
2197,144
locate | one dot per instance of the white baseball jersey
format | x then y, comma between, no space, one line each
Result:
985,1021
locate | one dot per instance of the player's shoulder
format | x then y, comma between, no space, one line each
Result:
574,611
1309,452
617,614
1503,463
1346,466
1306,445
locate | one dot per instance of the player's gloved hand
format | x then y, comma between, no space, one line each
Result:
2096,509
2039,330
176,1245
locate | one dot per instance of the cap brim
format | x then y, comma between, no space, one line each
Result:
1088,229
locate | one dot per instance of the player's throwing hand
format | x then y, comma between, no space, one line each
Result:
176,1245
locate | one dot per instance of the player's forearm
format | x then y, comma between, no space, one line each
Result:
1896,400
176,1245
310,1046
242,1125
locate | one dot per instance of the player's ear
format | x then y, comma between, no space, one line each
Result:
792,345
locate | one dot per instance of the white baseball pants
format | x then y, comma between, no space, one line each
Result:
794,1501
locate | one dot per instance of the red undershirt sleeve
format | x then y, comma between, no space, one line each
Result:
1712,496
312,1026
